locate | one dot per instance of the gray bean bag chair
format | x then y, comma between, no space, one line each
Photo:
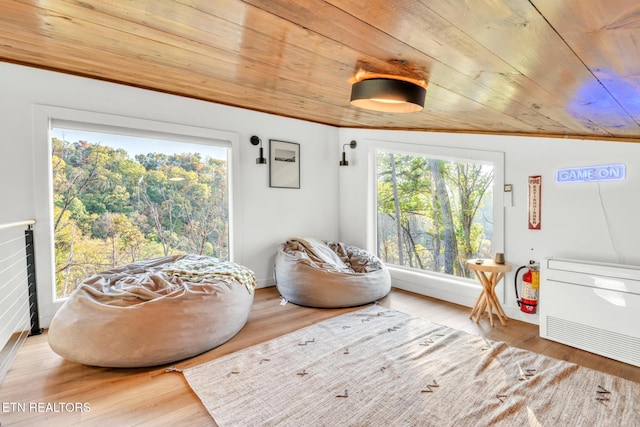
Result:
316,273
153,312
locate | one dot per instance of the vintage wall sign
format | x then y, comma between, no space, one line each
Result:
534,202
614,172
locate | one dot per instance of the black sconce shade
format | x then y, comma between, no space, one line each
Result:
344,162
261,160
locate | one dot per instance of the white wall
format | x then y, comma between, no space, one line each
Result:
587,221
269,215
590,221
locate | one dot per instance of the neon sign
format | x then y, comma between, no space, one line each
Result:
615,172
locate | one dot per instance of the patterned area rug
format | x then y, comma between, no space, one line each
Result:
378,367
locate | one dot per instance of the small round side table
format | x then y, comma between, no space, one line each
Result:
488,274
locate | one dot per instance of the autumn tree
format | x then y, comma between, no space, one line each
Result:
111,209
429,211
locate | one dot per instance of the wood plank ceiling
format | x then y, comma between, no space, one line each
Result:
532,67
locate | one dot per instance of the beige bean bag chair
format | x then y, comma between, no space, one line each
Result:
317,273
153,312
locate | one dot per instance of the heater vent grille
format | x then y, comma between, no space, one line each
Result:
617,346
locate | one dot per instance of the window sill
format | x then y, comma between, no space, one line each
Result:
457,290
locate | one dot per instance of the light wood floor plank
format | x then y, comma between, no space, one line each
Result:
152,397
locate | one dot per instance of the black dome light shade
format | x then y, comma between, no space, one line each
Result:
388,95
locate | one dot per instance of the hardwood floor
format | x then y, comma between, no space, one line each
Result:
84,395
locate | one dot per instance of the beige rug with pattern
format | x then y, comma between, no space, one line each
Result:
378,367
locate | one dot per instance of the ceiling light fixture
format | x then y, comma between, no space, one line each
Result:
389,94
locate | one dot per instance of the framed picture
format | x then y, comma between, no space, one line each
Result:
284,164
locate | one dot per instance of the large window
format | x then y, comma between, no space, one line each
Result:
119,198
434,213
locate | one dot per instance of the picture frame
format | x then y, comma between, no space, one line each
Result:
284,164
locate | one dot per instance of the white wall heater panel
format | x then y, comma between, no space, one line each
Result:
592,306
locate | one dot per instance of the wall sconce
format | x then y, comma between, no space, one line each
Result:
344,162
261,160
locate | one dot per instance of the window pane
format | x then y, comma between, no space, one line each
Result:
119,199
433,214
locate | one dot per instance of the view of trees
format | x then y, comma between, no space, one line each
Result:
433,214
111,209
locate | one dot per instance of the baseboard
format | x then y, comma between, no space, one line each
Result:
265,283
515,313
456,290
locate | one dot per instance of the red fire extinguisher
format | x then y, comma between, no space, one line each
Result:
530,287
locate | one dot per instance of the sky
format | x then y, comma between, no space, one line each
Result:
134,145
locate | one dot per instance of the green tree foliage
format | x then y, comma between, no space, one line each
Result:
110,209
432,214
